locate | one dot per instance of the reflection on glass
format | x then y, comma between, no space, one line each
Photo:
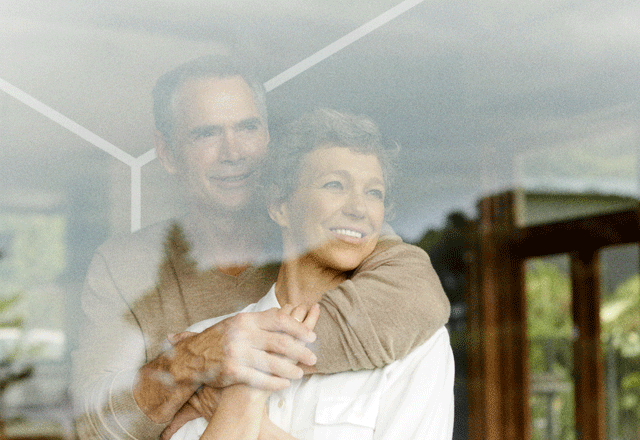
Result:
33,324
549,331
621,339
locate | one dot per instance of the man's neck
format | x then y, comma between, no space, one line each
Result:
226,240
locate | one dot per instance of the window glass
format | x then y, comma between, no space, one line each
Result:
549,331
620,339
539,98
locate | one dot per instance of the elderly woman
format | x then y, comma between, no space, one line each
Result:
328,183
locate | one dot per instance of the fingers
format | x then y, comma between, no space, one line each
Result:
276,320
206,400
299,313
285,345
259,379
287,308
308,316
185,414
312,317
262,348
174,338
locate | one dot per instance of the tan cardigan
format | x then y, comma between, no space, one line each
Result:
141,287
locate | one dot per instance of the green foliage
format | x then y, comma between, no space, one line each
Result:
548,302
620,318
6,318
630,400
549,330
430,239
37,254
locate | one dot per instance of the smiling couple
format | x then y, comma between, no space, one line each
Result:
349,340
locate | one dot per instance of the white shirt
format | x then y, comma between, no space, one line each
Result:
409,399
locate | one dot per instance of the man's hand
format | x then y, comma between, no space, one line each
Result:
205,400
184,414
259,349
256,349
203,403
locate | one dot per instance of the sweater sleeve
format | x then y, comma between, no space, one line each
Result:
393,303
111,350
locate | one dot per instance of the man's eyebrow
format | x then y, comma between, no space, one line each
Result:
204,129
377,180
249,121
209,129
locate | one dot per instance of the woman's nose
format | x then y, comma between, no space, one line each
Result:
354,206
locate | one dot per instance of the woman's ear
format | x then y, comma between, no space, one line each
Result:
279,213
164,152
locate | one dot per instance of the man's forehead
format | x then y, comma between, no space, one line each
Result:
228,98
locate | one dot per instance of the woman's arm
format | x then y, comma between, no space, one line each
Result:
239,414
245,406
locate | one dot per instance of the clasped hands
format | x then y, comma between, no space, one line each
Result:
247,354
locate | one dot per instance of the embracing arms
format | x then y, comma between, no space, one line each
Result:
393,302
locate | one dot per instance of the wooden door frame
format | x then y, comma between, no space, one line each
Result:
498,374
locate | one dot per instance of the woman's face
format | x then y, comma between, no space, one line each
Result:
336,213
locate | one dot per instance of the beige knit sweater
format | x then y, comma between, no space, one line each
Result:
141,287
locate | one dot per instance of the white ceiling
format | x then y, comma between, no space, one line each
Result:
481,95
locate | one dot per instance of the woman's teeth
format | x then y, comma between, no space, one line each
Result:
348,233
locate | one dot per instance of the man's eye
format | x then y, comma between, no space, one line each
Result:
378,194
249,127
204,134
334,184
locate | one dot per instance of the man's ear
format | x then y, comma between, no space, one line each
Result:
279,213
164,152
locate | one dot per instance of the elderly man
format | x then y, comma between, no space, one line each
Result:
212,134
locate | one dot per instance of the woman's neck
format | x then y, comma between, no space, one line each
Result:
304,280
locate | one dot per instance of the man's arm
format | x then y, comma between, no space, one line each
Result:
248,348
113,348
392,304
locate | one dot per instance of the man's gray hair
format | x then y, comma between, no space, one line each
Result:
212,66
317,129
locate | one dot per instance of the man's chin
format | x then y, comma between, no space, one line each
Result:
235,205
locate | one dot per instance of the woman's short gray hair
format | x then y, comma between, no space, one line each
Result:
318,129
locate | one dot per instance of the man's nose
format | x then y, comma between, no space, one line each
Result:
230,150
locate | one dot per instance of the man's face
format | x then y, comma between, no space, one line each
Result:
219,142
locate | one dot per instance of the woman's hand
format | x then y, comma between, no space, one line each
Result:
308,316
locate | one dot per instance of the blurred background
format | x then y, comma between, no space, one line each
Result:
538,100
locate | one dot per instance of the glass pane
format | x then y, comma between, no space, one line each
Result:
621,339
481,98
549,331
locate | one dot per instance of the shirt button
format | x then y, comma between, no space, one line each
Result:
280,403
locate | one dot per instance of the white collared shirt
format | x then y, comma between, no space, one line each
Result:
409,399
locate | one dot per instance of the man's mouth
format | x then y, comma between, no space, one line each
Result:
348,232
231,179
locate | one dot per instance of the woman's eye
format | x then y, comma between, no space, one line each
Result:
334,184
